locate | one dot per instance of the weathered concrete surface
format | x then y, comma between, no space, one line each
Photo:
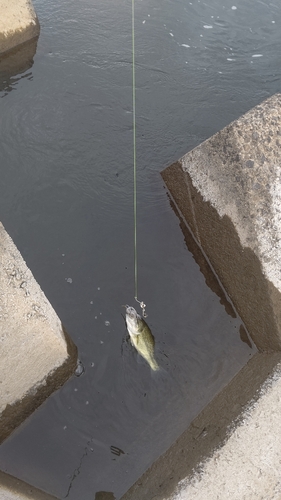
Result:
229,192
36,355
175,470
18,23
248,466
14,489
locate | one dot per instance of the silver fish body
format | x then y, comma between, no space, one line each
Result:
141,337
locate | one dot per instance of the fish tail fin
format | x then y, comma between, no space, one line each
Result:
155,367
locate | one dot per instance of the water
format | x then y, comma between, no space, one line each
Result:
66,198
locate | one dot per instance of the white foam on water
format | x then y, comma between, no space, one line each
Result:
207,26
230,59
257,55
171,34
185,45
234,7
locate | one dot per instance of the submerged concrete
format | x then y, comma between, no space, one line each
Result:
15,62
36,355
18,23
14,489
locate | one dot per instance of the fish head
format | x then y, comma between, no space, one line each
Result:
132,320
131,312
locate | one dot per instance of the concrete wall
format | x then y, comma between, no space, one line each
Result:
18,23
37,356
228,192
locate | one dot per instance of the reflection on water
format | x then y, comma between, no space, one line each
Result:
66,198
14,64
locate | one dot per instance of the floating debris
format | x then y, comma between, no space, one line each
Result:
79,369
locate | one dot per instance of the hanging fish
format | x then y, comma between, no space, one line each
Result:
141,337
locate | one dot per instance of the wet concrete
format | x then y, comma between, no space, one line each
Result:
12,488
228,191
15,62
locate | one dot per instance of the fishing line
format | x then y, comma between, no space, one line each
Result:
142,305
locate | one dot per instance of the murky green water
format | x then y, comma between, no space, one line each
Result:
66,198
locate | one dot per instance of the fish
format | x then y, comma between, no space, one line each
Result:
141,337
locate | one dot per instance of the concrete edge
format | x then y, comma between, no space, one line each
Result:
19,56
253,302
12,488
15,414
208,432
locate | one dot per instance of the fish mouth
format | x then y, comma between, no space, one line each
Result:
130,311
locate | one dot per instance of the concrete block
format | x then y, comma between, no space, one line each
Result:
228,190
36,355
18,23
248,465
189,469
